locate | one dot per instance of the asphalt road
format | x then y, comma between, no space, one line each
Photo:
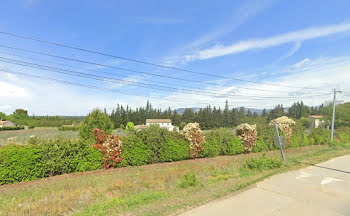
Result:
322,189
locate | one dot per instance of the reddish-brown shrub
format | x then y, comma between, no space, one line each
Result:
248,135
196,138
110,147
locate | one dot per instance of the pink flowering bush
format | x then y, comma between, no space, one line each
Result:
285,125
247,134
195,137
110,147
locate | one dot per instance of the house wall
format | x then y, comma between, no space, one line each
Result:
169,126
8,124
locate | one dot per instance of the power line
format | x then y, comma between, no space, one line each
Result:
208,83
113,80
142,62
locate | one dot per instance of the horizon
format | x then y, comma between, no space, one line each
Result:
255,54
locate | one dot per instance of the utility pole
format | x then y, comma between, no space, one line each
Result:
335,91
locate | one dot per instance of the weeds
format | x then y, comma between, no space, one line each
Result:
188,180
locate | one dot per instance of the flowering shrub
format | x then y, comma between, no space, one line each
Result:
285,125
247,134
195,137
110,147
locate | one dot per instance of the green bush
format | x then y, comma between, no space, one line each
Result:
262,163
96,119
174,148
130,126
212,147
12,128
158,140
265,135
188,180
320,136
343,134
68,128
66,156
260,146
222,141
135,152
297,138
21,163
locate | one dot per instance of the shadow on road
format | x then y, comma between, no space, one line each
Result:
323,167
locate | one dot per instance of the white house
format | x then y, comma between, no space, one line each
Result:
316,120
166,123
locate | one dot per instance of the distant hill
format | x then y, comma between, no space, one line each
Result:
196,109
181,110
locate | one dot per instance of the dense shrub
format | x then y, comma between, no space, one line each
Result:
247,134
265,137
135,152
165,145
96,119
222,141
320,136
297,138
110,147
21,163
12,128
68,128
66,156
260,146
195,137
262,163
130,126
174,148
343,134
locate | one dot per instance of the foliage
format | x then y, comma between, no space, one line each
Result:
298,110
188,180
68,128
265,138
12,128
182,125
130,126
66,156
135,152
248,135
174,148
3,116
195,137
320,136
21,163
96,119
262,163
276,112
343,134
260,145
222,141
110,147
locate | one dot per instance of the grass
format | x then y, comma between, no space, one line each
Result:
152,189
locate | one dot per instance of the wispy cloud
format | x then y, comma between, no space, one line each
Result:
262,43
241,15
160,20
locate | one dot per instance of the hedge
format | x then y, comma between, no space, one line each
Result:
12,128
21,163
135,152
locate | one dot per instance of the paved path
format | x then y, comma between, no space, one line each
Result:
319,190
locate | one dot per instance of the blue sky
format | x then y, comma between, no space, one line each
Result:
295,43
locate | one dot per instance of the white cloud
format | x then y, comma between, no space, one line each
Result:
302,62
261,43
241,15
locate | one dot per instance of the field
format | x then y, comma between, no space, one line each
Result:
156,189
22,136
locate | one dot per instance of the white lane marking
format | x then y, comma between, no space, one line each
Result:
327,180
303,175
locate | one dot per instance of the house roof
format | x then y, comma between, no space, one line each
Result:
158,121
316,116
2,122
